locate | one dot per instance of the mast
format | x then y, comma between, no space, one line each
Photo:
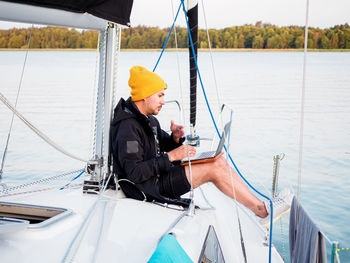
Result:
192,15
91,14
109,53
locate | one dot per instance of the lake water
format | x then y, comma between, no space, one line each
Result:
263,89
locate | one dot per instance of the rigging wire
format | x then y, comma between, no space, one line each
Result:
18,91
178,62
191,206
302,113
302,106
217,130
212,62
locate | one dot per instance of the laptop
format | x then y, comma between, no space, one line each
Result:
210,155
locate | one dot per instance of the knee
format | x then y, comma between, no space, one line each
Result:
219,167
221,163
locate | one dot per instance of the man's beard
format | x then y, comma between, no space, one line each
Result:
157,110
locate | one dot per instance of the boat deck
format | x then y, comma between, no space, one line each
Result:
120,229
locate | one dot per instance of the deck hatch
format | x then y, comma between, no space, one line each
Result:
36,215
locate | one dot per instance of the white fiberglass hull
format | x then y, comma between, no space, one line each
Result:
125,230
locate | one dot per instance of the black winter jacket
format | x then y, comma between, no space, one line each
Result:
137,155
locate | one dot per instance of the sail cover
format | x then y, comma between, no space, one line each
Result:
192,15
117,11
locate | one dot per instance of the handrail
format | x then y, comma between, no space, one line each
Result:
178,105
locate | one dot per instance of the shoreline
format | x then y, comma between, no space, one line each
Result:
185,49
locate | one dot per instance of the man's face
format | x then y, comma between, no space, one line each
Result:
154,103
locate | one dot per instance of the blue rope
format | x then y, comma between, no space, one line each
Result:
217,130
63,187
212,117
166,42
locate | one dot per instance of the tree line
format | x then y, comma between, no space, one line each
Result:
258,36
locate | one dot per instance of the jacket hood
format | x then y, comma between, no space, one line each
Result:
126,109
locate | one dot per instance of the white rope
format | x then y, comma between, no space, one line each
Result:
40,134
301,132
18,91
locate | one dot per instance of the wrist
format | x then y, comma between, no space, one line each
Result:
175,139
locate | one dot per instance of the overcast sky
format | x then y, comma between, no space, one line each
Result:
225,13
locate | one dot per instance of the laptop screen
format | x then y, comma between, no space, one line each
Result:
223,137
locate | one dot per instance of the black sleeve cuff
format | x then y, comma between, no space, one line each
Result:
164,163
181,141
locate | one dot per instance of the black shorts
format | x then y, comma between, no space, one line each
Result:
174,183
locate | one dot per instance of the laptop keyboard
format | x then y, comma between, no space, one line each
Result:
204,155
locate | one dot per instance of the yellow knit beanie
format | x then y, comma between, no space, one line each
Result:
144,83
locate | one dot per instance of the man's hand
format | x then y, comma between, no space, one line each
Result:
181,152
177,130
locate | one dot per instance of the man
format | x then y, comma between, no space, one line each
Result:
149,158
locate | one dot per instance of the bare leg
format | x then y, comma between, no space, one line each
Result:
218,172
